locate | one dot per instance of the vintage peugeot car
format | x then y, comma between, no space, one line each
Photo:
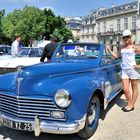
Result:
63,96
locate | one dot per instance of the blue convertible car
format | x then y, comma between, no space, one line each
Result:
64,96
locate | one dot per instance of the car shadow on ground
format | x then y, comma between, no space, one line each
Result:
10,134
116,101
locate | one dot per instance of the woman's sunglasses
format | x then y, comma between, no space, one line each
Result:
126,37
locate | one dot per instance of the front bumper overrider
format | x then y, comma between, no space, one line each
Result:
53,127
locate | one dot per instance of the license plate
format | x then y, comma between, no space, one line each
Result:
17,125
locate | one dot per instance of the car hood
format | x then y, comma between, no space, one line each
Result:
55,69
9,82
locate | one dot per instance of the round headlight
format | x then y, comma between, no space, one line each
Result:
62,98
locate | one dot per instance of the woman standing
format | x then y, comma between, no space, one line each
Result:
129,70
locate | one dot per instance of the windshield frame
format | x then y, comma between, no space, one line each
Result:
54,58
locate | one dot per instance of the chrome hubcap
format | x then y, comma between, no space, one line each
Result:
92,114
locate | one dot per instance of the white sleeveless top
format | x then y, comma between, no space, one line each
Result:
128,58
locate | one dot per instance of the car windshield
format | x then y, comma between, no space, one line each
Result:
78,51
5,50
31,52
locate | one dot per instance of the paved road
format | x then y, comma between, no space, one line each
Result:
114,125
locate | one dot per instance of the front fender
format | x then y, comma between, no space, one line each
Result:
81,90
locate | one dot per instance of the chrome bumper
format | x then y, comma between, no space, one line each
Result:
53,127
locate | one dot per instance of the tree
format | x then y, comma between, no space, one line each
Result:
32,23
2,13
62,34
56,26
29,23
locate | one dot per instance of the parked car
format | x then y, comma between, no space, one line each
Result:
5,49
138,58
27,56
64,96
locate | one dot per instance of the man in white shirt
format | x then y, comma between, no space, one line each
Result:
15,46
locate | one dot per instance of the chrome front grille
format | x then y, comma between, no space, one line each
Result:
27,108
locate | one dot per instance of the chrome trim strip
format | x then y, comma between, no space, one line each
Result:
37,129
106,102
19,80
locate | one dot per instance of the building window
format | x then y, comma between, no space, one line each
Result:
85,22
93,30
104,26
90,20
111,30
83,31
118,24
87,30
133,22
98,27
125,23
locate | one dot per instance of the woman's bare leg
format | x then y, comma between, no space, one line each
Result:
126,85
134,85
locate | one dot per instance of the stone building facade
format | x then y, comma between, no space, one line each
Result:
106,25
74,24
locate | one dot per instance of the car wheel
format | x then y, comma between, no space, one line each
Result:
93,114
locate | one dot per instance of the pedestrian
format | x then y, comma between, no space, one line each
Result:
129,68
49,49
15,46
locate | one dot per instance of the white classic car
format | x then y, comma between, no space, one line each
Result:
27,56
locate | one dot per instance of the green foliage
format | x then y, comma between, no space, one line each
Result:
63,34
29,23
2,13
55,26
32,23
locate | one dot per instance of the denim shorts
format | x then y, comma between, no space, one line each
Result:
130,74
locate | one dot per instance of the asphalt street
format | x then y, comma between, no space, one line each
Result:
114,125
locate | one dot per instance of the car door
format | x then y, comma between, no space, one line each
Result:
111,78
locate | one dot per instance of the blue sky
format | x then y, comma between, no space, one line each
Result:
62,7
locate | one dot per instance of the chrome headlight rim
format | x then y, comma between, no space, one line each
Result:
60,94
